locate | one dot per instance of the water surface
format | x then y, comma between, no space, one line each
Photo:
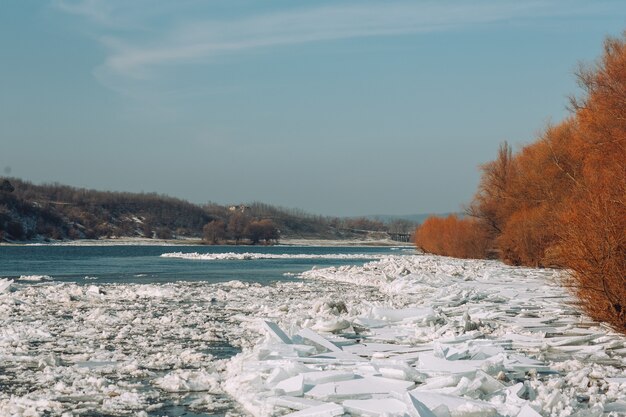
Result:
143,264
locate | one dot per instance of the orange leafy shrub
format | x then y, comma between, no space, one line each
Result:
452,236
560,201
592,229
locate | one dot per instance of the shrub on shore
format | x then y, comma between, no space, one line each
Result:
560,201
452,236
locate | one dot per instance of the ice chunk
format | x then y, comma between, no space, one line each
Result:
394,372
369,348
456,405
295,403
332,325
358,387
488,384
528,411
572,341
439,382
292,386
321,377
324,410
276,332
418,408
319,340
5,284
391,314
280,351
340,356
428,362
184,381
94,290
256,256
617,407
376,407
35,278
514,393
370,323
277,375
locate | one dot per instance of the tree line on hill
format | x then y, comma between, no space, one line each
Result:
559,201
59,212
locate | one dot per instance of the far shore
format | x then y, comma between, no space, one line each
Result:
191,241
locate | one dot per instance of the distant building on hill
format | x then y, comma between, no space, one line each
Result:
240,208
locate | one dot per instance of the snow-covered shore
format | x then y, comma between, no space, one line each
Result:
454,338
403,335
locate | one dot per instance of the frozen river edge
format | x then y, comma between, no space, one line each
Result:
403,335
448,338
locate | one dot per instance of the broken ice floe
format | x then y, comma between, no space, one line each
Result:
256,256
35,278
489,343
5,284
405,336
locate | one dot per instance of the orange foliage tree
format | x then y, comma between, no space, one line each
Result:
593,227
560,201
452,236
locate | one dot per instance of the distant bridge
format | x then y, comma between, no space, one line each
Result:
401,237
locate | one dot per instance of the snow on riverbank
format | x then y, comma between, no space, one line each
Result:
454,338
231,256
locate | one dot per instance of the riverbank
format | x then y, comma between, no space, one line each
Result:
192,241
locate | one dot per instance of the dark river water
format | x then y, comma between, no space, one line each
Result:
110,268
143,264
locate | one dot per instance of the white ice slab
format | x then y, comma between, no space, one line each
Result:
339,356
418,408
318,340
488,384
321,377
358,387
617,406
324,410
572,341
293,386
5,284
528,411
391,314
295,403
428,362
439,382
276,332
386,334
453,403
369,348
370,323
376,407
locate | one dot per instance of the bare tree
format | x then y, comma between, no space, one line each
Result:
214,231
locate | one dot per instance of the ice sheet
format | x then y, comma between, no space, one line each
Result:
230,256
476,336
376,407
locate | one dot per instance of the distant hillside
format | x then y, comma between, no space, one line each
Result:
56,211
30,212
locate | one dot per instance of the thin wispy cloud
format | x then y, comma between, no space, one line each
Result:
138,55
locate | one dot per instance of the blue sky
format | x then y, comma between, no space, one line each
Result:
339,108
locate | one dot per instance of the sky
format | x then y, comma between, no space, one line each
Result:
340,108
